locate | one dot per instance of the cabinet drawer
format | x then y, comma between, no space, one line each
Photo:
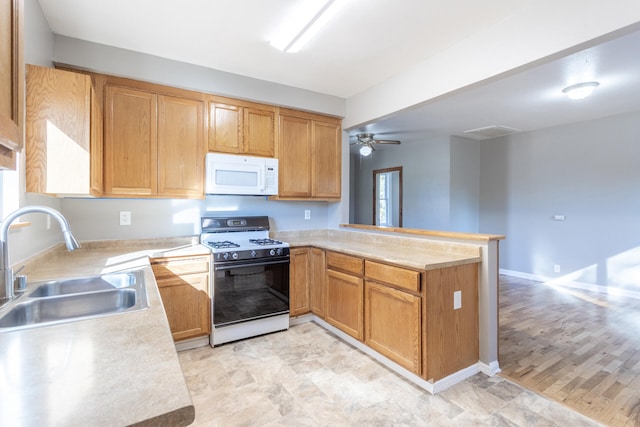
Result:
164,267
396,276
347,263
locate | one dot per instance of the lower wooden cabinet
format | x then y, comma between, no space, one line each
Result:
317,282
345,303
299,281
183,283
451,334
393,324
307,290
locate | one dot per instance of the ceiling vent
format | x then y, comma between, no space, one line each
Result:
488,132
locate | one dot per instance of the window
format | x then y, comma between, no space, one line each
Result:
10,189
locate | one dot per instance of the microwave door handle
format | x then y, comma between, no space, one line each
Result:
261,179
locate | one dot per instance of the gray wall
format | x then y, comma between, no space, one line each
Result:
587,172
440,183
464,196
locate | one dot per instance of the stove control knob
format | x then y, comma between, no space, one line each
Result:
225,255
253,253
235,255
279,251
272,252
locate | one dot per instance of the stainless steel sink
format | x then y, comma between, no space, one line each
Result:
70,300
85,284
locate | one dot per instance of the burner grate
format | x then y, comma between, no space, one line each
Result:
265,242
222,245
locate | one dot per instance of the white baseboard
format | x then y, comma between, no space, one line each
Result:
565,282
491,369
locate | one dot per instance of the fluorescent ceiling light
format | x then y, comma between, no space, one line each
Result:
304,23
581,90
365,150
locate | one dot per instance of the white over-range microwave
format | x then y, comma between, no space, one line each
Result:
242,175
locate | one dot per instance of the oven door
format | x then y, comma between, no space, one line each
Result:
248,291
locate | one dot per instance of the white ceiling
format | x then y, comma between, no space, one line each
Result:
365,44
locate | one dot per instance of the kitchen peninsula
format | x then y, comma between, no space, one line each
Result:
438,291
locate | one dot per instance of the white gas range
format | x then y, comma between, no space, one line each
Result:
249,280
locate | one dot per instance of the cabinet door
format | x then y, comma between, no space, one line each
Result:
327,160
183,283
299,283
344,303
180,147
225,128
58,132
317,282
294,153
259,132
11,81
186,302
130,156
97,147
392,321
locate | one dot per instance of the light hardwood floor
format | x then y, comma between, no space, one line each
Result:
579,348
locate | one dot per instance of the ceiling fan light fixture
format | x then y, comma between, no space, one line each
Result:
365,150
580,90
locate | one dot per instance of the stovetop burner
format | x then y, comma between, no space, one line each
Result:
265,242
223,245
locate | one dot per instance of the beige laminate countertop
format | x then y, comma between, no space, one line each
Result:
115,370
390,250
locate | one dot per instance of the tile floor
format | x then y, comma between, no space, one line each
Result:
307,376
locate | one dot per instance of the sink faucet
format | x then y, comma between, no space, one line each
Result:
6,272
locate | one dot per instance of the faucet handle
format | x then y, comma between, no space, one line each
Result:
20,283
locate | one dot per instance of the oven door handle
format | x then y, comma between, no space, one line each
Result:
245,265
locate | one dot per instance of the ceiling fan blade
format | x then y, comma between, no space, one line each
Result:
387,141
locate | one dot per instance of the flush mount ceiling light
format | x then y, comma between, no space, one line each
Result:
581,90
365,150
304,23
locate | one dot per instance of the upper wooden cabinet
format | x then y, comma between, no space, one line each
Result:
11,81
154,144
63,133
310,156
241,128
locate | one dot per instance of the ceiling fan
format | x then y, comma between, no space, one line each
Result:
368,142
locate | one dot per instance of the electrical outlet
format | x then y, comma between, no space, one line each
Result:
307,214
556,268
457,300
125,218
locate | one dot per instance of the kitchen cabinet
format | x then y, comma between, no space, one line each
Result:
451,342
154,144
183,283
11,81
241,128
345,293
299,281
393,315
63,133
317,282
307,284
310,156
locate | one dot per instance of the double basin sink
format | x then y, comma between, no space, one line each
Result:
68,300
